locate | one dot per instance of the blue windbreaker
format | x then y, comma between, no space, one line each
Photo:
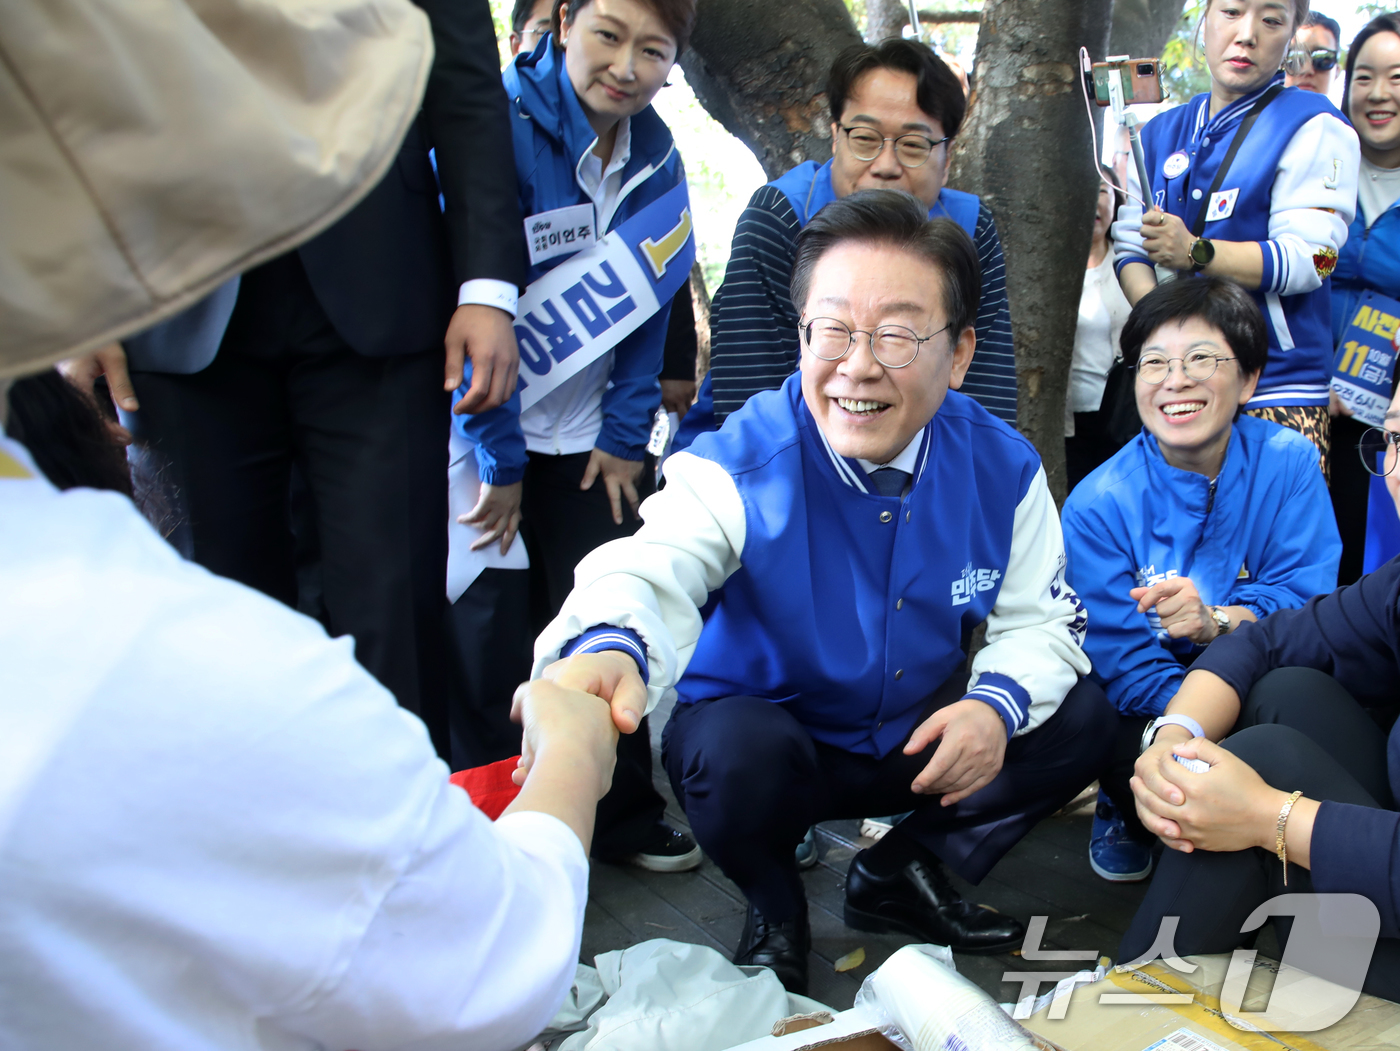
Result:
1370,260
1261,536
550,137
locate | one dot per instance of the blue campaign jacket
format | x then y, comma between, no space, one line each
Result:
1370,260
551,135
1262,536
1300,349
810,621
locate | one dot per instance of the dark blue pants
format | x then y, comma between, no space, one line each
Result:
751,781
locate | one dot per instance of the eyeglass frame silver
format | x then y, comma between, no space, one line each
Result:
933,144
1391,438
1217,358
804,331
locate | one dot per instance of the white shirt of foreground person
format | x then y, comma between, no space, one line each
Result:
218,832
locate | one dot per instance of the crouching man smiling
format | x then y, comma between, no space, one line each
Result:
807,582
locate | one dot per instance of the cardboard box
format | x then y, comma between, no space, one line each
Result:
1087,1024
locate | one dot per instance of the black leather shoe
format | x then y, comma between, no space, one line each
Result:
919,900
780,946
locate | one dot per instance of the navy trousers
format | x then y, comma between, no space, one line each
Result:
751,781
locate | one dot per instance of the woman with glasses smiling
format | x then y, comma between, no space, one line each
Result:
1206,520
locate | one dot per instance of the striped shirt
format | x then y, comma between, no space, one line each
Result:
753,323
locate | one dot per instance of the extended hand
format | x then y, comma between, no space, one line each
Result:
1229,807
1180,608
487,335
611,675
619,476
677,395
496,514
1166,239
969,754
569,725
109,361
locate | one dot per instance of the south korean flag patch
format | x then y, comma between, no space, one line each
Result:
1222,204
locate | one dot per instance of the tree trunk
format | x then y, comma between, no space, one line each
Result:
760,69
1026,150
884,19
1141,27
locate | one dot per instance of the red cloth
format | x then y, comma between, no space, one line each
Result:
490,787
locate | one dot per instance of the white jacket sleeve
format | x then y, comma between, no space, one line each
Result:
654,582
1313,204
1036,629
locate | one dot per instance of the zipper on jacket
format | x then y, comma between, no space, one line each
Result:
1210,495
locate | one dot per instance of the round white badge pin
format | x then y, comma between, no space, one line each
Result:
1174,165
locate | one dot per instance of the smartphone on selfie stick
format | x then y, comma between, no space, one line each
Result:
1120,82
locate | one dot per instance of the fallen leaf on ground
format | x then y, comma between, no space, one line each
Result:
851,960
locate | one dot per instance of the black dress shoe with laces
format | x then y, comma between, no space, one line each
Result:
780,946
919,900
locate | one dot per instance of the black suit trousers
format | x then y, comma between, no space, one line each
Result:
368,438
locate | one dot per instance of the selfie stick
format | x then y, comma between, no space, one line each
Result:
914,31
1129,121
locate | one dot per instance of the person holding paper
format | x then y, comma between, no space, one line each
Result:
608,229
1255,182
1206,520
1368,269
807,582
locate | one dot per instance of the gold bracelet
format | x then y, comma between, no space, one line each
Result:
1280,847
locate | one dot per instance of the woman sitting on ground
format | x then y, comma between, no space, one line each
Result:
1208,519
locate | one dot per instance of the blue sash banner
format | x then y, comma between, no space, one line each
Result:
580,310
1365,366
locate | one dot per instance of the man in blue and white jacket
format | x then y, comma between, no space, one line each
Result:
806,585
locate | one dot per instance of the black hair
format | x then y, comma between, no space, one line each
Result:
520,14
1217,301
1380,24
678,16
937,90
65,432
1317,18
899,221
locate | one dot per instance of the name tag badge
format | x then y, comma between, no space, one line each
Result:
1174,165
1222,204
561,231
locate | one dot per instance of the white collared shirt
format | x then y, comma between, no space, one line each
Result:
906,460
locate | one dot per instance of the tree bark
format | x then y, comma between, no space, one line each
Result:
1026,150
1141,27
887,18
760,69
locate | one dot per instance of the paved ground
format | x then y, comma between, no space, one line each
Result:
1047,874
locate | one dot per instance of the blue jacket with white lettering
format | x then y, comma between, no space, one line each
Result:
1291,189
1260,535
551,135
850,608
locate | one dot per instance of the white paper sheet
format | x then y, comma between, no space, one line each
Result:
463,486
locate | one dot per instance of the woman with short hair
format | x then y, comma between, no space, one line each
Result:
1276,219
1206,520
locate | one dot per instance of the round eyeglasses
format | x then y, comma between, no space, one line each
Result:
1198,365
893,346
912,150
1375,446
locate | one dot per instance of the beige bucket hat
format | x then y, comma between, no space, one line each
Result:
151,149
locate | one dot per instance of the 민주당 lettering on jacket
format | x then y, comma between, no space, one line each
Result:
770,567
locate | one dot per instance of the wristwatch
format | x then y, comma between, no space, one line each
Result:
1222,621
1202,252
1184,721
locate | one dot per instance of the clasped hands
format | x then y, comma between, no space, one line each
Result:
1228,807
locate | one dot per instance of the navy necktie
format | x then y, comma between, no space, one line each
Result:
889,481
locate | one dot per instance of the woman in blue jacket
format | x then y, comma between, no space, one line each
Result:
1206,520
1370,259
590,154
1273,220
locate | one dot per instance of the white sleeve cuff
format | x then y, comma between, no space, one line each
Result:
489,292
